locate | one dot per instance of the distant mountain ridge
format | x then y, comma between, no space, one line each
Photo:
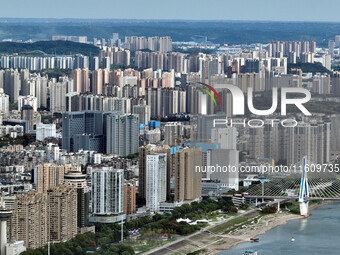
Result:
230,32
49,47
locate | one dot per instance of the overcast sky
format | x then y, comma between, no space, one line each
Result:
277,10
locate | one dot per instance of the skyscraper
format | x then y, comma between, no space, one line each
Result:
81,80
48,175
58,91
144,113
144,151
165,44
122,134
204,125
129,198
187,181
12,84
62,213
100,77
27,114
39,218
156,180
122,57
30,218
4,102
85,122
107,194
77,179
225,163
27,100
226,137
173,132
95,63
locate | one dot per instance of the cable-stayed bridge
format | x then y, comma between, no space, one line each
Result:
304,181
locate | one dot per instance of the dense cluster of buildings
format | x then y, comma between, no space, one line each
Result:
145,129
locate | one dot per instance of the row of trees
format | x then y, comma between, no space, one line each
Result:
25,140
167,223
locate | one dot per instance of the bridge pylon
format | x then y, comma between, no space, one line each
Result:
304,189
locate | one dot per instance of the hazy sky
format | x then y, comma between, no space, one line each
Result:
281,10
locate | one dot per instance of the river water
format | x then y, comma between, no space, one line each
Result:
317,234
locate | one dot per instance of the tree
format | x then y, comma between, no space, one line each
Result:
269,209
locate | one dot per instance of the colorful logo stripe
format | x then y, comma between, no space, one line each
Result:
208,92
212,89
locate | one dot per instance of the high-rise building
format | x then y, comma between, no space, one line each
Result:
162,44
34,85
115,37
62,213
4,217
144,113
144,151
321,83
187,181
49,175
252,66
289,145
81,81
176,61
122,57
226,165
58,91
77,179
331,46
2,73
100,77
107,63
95,63
85,122
89,142
202,125
129,198
4,102
165,44
39,218
30,218
156,180
27,113
226,137
27,100
81,61
12,84
4,61
107,194
337,40
173,132
335,82
122,134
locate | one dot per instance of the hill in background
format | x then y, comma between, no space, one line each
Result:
49,47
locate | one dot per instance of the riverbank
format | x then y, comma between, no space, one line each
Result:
226,234
265,224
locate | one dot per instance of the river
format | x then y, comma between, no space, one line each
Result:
317,234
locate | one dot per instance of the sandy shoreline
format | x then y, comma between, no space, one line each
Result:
267,223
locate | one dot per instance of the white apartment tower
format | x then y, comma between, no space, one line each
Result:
107,191
155,180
